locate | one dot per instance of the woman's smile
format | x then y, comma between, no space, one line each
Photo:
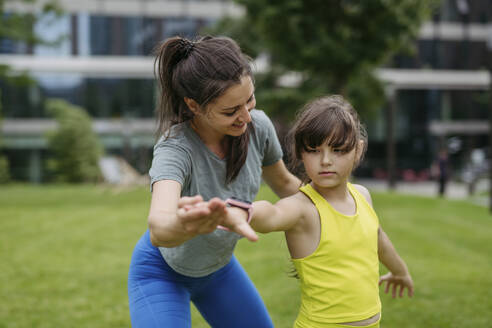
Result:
239,125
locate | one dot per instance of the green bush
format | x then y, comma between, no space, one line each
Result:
75,147
4,170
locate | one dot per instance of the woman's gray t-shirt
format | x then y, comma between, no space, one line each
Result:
184,158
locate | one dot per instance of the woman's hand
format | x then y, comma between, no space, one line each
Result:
397,282
200,217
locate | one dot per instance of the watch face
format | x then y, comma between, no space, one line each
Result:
240,200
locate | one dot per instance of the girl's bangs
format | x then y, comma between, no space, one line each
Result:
335,130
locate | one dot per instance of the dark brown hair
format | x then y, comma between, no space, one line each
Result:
201,70
329,119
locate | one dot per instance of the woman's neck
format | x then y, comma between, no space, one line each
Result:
217,143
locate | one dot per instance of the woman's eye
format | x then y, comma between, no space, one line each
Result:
230,113
312,150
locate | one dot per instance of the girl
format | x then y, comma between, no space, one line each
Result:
214,143
332,232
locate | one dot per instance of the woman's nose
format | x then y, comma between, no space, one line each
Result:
245,114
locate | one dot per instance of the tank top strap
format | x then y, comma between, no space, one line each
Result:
315,197
361,201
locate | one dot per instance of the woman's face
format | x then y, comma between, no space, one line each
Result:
229,114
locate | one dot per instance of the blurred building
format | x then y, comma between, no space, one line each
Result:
440,93
105,65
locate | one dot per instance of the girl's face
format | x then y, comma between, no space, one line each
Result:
229,114
329,167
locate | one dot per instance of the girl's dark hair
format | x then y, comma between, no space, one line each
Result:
201,70
329,119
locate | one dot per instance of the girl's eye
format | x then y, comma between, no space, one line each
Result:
340,151
251,99
311,150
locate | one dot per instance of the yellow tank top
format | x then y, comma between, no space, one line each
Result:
339,280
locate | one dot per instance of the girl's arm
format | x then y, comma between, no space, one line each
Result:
399,276
170,226
281,216
266,217
282,182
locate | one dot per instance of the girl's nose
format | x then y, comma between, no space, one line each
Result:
326,158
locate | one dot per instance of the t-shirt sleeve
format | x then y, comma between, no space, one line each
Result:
171,162
272,151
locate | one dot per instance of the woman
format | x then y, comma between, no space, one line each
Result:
214,144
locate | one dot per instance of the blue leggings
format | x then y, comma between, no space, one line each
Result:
160,297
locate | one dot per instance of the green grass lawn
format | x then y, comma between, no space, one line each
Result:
65,251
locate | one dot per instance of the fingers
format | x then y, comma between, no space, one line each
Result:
192,213
217,205
397,285
410,290
189,200
384,278
245,230
387,287
198,216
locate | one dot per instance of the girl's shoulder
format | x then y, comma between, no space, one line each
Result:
364,192
300,204
299,198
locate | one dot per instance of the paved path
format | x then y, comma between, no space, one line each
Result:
454,190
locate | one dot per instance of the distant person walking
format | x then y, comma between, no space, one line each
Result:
441,171
214,144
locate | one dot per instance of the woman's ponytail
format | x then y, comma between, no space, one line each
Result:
171,107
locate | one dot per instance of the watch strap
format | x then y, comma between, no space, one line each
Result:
241,204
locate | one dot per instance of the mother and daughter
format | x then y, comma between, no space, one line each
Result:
214,150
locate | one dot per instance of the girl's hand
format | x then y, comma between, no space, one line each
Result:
235,219
395,282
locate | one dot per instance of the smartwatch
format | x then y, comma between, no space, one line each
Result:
244,204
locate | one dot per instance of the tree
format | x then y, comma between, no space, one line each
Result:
334,45
74,145
18,27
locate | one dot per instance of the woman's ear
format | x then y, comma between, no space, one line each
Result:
192,105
